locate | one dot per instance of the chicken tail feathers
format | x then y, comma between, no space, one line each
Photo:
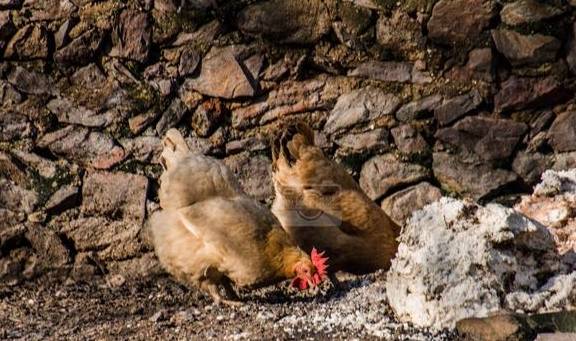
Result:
289,142
175,148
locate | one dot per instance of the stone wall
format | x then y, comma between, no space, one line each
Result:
471,98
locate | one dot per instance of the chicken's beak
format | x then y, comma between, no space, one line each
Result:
310,282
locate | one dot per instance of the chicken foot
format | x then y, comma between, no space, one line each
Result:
211,284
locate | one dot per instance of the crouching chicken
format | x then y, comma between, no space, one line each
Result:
209,233
319,204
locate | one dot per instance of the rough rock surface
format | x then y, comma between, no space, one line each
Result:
454,22
382,173
469,176
223,75
520,49
303,22
91,86
400,205
553,204
527,11
360,106
562,132
489,138
457,259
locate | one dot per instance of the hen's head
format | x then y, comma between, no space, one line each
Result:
310,273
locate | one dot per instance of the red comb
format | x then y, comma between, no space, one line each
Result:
321,264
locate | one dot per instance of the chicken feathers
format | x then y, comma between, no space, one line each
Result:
209,233
320,205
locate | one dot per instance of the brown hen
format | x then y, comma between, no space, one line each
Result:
320,205
209,233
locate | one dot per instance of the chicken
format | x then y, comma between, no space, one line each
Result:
320,205
209,233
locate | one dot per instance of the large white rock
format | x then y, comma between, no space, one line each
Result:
553,204
457,259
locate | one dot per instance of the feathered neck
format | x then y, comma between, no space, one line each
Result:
283,253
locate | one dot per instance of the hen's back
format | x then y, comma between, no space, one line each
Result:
190,178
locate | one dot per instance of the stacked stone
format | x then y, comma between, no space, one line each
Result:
471,97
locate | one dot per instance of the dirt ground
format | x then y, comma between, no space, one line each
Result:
161,309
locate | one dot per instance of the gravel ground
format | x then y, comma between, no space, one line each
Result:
160,309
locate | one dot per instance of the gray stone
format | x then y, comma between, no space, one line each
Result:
553,204
562,133
360,106
81,50
564,161
478,67
85,267
48,246
199,145
189,61
44,167
556,337
522,49
120,196
207,117
30,82
540,121
247,144
9,95
146,149
132,36
14,126
98,233
10,4
408,140
69,112
11,171
137,267
374,140
527,11
469,178
30,42
384,71
419,108
47,10
293,97
400,205
452,109
491,139
140,122
457,260
571,56
205,35
286,21
514,326
223,74
17,265
350,23
93,149
519,93
529,166
62,36
16,198
459,21
254,173
10,228
171,116
89,76
64,198
383,173
400,32
7,28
